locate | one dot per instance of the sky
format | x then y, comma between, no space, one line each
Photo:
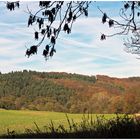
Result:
80,52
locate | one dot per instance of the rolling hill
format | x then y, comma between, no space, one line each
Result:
74,93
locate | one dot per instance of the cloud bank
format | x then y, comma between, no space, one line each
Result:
81,52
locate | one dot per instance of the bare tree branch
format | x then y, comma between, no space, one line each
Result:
130,14
49,13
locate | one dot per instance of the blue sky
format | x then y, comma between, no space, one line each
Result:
80,52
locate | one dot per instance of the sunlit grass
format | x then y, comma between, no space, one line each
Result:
23,119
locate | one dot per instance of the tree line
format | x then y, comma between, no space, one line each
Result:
65,92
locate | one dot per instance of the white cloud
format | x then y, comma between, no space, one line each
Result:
81,52
111,49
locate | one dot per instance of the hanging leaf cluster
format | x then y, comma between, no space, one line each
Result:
126,6
50,14
32,50
47,52
103,37
67,28
44,3
52,51
11,5
104,18
40,22
36,36
111,23
63,14
31,20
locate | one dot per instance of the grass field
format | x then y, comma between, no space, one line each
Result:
21,120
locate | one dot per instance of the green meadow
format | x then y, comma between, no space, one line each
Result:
19,121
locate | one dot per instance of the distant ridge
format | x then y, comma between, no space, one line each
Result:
66,92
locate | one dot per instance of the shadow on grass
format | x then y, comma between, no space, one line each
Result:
117,127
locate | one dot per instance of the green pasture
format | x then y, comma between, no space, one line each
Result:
21,120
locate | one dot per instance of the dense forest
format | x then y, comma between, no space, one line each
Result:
72,93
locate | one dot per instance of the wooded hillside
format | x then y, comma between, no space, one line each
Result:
69,92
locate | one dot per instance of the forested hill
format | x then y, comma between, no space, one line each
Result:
69,92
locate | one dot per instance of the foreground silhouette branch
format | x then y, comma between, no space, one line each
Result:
52,18
129,24
12,5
